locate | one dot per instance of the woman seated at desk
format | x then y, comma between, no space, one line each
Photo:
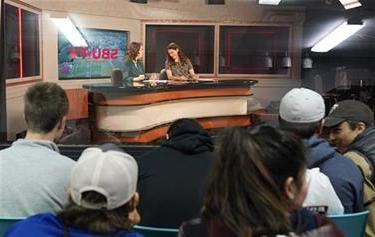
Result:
177,65
134,69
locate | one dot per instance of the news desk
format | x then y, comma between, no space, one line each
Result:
142,111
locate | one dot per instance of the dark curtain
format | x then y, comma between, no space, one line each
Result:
3,117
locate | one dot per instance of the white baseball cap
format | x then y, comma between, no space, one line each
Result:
301,105
112,173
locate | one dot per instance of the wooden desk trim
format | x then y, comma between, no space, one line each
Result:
78,103
161,131
153,97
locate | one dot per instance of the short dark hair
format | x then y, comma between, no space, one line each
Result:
352,124
303,130
46,104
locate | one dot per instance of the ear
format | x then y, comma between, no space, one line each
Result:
321,126
61,123
134,201
361,126
134,216
290,189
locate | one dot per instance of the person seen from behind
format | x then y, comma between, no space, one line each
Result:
34,175
256,188
102,199
302,112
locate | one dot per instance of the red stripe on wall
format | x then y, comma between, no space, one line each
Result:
20,40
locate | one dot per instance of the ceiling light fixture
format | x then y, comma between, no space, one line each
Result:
307,62
268,61
66,26
336,37
269,2
286,61
349,4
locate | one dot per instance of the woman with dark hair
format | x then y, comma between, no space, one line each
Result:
177,65
134,69
256,186
102,200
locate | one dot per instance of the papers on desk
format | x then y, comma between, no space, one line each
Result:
207,79
155,81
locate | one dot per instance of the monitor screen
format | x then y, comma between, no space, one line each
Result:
105,51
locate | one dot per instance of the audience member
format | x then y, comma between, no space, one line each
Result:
257,185
34,176
177,65
351,129
172,177
102,199
302,112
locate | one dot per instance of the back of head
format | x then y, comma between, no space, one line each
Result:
301,111
116,77
102,185
185,126
246,189
46,104
350,110
189,137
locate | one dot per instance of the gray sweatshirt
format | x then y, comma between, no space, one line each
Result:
33,178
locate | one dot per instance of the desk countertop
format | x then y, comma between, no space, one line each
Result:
148,86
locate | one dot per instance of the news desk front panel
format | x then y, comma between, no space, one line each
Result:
142,112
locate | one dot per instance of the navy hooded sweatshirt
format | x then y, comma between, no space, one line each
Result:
344,175
172,178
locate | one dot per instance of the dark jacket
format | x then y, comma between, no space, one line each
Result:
365,144
130,70
172,178
344,175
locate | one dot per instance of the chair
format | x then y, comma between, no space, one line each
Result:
353,224
6,222
163,75
148,231
116,77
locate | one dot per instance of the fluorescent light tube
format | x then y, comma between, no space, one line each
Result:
269,2
349,4
337,36
352,5
70,31
344,2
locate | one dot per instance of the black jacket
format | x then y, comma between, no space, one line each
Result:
172,178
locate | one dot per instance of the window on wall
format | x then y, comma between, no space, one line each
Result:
197,42
243,49
22,43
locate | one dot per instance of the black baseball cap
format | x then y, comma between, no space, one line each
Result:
353,110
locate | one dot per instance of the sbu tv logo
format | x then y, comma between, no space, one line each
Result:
93,53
